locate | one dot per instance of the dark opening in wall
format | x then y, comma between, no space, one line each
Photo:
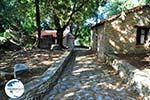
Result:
142,34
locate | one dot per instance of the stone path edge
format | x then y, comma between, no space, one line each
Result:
36,88
137,80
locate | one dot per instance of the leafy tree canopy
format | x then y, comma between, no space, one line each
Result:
116,6
18,16
69,12
16,19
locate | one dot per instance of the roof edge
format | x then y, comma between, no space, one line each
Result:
132,10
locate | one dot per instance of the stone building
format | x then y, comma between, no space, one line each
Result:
125,33
48,37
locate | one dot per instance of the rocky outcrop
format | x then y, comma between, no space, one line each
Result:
138,80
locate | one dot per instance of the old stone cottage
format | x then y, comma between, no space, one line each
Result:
48,37
125,33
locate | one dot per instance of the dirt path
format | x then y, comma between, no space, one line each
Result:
88,80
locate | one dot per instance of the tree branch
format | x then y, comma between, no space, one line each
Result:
56,21
74,10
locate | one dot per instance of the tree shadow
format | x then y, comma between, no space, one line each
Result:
88,78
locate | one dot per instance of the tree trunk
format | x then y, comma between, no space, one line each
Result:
38,22
60,30
60,38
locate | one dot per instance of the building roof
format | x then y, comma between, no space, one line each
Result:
50,32
54,33
135,9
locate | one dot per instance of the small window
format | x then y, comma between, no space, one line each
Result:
142,35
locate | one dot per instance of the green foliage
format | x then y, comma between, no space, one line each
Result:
81,32
17,16
84,36
17,13
74,12
28,46
114,7
5,34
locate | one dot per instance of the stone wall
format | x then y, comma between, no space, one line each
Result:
94,40
98,42
137,80
101,43
121,34
36,88
46,41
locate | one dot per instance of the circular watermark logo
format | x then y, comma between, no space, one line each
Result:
14,88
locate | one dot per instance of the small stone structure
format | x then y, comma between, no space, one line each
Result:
48,37
46,42
124,33
69,41
20,68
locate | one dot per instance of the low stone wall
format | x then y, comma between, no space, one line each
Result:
37,88
137,80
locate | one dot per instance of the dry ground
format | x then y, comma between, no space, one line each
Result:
37,60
